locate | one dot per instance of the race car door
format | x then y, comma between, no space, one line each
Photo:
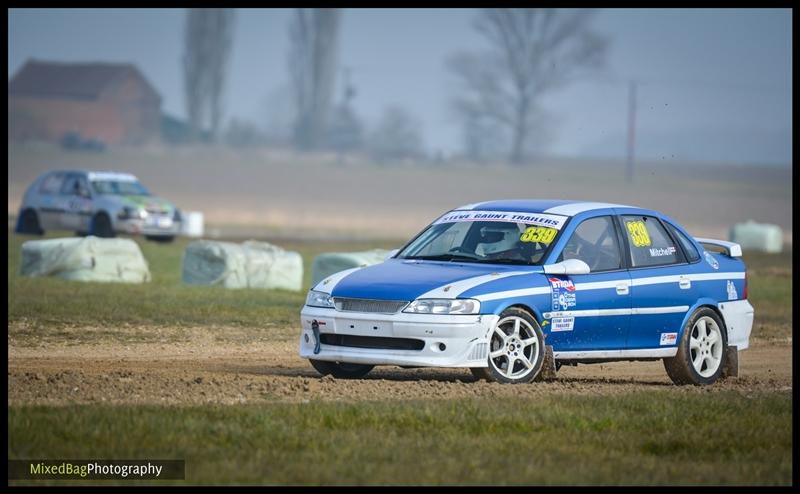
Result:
591,311
661,290
76,203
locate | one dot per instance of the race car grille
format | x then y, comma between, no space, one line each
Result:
375,342
367,305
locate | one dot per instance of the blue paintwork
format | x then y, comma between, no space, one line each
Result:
398,279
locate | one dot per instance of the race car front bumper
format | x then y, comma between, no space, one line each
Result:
153,225
372,338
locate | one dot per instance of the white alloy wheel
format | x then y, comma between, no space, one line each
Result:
706,346
514,348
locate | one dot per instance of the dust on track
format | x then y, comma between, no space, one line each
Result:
207,368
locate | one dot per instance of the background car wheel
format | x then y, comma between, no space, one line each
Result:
101,226
164,239
701,352
516,349
341,370
29,223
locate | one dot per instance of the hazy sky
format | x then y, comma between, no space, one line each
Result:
714,84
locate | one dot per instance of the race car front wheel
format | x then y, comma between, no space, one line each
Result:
516,349
341,370
701,352
101,226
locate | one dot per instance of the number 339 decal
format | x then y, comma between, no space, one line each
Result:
638,232
540,234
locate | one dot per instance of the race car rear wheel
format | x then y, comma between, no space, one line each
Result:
29,223
341,370
701,352
516,349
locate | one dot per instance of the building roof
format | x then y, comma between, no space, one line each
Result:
83,81
552,206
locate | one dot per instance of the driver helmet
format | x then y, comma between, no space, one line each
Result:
497,238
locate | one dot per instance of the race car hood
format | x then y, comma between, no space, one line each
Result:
150,203
401,279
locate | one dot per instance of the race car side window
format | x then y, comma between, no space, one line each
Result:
75,185
594,242
52,184
650,244
688,247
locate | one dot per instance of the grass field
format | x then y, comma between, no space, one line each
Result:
670,435
657,438
50,304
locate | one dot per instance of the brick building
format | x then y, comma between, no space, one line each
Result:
113,103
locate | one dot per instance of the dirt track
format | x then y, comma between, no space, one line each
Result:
207,370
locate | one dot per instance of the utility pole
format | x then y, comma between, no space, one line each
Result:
631,130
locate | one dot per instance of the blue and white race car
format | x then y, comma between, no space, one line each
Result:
514,289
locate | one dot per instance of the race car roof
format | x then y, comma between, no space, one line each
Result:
552,206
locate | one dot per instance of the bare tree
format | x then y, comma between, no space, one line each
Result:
533,51
397,137
313,38
209,35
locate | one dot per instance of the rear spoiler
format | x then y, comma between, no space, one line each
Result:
731,249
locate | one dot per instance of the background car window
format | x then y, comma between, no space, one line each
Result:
688,247
52,184
595,243
649,243
74,185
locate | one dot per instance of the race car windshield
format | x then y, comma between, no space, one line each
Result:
490,242
120,188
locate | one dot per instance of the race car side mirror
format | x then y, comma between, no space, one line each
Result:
568,267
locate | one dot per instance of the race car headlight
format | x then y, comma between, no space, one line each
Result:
128,213
444,306
319,299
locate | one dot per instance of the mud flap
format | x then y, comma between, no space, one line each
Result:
731,368
548,372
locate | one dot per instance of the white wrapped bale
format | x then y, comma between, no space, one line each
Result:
327,264
248,265
193,224
85,259
757,236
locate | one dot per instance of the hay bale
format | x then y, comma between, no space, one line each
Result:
85,259
248,265
757,236
327,264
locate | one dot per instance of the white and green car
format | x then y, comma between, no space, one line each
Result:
96,203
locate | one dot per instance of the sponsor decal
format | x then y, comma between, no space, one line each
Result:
563,324
541,234
563,293
732,295
711,260
638,233
541,219
662,251
669,338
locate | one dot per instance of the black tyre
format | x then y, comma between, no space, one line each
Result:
29,223
516,349
101,226
701,352
162,239
341,370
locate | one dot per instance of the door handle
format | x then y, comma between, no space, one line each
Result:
622,289
684,283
